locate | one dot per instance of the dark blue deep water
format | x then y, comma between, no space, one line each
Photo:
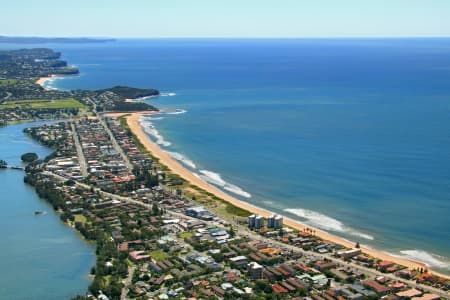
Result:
352,136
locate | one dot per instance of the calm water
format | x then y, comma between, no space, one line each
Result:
352,136
40,257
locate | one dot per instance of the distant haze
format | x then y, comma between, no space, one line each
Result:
226,18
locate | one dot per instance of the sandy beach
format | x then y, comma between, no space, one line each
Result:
133,121
41,81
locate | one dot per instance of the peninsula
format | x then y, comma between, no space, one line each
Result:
23,95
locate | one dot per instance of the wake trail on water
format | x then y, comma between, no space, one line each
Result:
140,99
174,112
168,94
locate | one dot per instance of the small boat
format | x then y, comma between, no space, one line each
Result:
39,212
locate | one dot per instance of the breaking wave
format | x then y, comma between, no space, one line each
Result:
208,176
237,190
431,260
49,85
183,159
150,129
216,179
322,221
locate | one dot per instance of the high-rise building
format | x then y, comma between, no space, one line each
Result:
251,221
259,222
255,222
275,221
255,270
278,222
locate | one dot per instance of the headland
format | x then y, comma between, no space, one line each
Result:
157,225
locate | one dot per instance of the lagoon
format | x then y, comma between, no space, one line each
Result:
40,257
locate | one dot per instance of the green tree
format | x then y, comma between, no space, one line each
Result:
155,209
29,157
231,231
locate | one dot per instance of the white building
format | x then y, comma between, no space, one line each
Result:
275,221
255,270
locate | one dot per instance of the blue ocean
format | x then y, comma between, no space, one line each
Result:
349,135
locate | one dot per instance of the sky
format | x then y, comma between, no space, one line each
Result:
226,18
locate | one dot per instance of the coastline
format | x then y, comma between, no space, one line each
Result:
43,233
41,81
133,121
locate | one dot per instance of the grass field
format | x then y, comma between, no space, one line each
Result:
187,235
80,218
68,103
8,81
158,255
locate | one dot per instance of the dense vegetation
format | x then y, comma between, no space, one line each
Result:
132,93
29,157
32,63
133,106
66,71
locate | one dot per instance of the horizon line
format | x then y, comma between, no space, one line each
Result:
230,37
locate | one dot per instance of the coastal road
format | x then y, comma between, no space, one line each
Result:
116,144
243,231
111,136
80,154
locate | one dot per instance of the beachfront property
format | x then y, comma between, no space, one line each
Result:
255,222
104,164
346,254
199,212
177,248
275,222
107,186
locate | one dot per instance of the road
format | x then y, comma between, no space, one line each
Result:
80,154
111,136
116,145
243,231
127,282
8,95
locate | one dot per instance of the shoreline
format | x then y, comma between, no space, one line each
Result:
133,121
69,232
41,81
